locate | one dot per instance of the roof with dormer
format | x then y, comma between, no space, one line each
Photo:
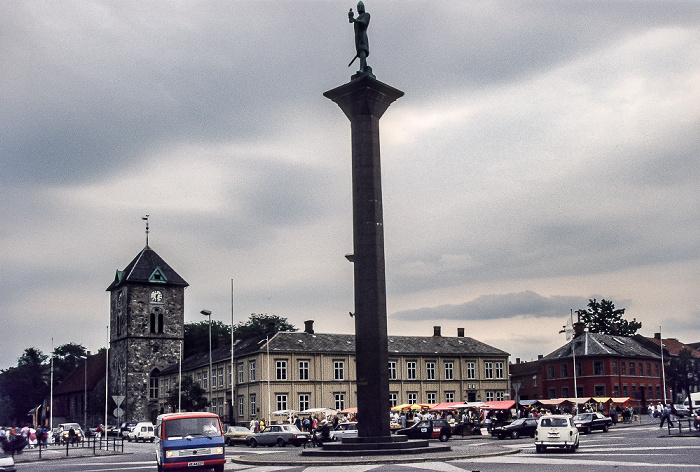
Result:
147,268
603,345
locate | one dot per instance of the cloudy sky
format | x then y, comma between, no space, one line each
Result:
544,153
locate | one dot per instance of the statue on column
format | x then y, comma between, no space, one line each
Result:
360,23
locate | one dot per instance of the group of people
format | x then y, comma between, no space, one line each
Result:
14,440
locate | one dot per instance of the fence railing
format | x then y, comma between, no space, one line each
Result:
115,444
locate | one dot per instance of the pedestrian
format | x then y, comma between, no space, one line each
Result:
666,416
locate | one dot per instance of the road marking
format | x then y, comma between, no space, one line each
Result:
539,459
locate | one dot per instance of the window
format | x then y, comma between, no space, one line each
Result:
240,372
431,397
598,369
490,395
304,370
633,370
412,398
500,395
565,392
204,380
411,372
648,369
449,370
153,390
656,371
616,390
614,367
213,379
624,391
658,392
253,407
241,405
550,372
564,368
552,393
579,369
199,378
304,401
599,391
633,389
393,399
221,406
281,401
213,405
392,370
339,398
579,391
230,375
488,370
339,371
251,371
281,372
449,397
471,370
430,371
623,368
500,373
641,369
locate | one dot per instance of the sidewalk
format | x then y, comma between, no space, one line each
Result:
59,452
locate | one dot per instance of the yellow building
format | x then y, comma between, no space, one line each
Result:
303,370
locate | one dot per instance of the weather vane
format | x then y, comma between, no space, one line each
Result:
360,23
145,218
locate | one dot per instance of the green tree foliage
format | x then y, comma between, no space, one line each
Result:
259,325
25,386
193,395
683,374
66,358
197,334
602,317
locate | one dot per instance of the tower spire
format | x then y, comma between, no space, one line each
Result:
145,218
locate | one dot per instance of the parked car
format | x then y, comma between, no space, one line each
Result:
587,422
519,427
280,434
7,463
142,432
681,410
236,434
556,431
64,432
428,429
112,430
345,430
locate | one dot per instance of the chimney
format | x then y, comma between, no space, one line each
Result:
540,356
579,328
657,336
517,360
309,326
436,331
614,329
460,332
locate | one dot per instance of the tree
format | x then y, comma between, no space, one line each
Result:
259,325
683,374
197,336
602,317
66,357
25,386
193,395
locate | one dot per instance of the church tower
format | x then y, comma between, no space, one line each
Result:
147,322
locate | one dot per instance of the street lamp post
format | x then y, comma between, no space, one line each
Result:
208,313
85,392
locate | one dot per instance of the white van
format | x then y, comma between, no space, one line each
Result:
142,432
695,397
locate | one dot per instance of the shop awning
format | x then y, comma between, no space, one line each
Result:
499,405
449,406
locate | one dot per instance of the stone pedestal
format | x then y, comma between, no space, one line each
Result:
364,100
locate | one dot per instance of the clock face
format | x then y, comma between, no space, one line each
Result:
156,296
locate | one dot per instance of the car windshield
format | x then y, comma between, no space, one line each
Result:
518,422
183,427
555,422
584,417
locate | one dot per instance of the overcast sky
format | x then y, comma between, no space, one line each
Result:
544,153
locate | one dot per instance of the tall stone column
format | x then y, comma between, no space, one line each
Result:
364,100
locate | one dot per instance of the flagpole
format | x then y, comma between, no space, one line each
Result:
233,416
179,382
663,368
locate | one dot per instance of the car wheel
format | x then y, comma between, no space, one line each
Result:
281,443
588,430
128,439
500,436
219,468
514,434
539,448
605,428
444,437
227,442
253,443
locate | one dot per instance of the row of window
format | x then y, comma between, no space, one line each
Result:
492,370
600,391
599,369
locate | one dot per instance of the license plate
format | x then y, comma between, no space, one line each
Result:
195,464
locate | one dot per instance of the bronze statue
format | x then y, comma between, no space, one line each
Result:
361,41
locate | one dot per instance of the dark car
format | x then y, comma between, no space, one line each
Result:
681,410
587,422
125,428
519,427
428,429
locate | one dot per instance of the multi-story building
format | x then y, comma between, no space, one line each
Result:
606,366
302,370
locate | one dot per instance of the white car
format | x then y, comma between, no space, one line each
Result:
556,431
142,432
7,463
345,430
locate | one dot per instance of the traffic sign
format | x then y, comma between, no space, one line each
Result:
118,399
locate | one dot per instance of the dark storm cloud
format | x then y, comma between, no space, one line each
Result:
489,307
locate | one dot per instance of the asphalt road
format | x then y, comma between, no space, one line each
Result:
635,448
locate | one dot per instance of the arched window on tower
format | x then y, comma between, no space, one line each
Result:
156,320
160,322
153,384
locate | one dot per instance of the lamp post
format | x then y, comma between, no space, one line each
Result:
208,313
85,392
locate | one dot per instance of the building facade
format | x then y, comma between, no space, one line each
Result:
302,370
146,330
